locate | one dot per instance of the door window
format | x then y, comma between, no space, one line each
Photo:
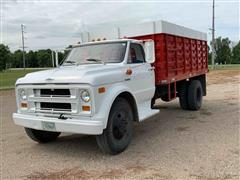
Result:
136,54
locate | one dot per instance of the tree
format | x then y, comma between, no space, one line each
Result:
5,56
223,50
31,59
236,54
44,58
17,59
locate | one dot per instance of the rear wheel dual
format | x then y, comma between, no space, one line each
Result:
190,95
195,94
183,95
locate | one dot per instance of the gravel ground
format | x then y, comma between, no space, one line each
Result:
174,144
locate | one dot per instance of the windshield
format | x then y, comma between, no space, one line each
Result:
97,53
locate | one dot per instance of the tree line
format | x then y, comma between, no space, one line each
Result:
225,54
43,58
33,59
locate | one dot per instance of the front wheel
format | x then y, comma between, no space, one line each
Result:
41,136
118,134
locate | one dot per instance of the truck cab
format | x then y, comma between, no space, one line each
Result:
100,89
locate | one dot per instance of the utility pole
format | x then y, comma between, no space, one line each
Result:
52,58
213,35
23,47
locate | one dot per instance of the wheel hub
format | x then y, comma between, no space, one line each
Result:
120,125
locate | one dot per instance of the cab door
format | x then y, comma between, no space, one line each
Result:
142,79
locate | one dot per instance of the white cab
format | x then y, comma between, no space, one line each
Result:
54,96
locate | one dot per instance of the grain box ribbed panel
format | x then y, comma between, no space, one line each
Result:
177,57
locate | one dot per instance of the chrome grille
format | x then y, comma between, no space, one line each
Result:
54,100
55,93
55,106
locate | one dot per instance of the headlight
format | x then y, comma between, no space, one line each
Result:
23,95
85,96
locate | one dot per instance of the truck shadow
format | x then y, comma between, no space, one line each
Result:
169,122
72,145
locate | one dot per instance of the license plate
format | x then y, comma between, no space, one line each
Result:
49,126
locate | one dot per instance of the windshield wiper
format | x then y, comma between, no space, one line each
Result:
95,60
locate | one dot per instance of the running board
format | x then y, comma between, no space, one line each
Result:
145,111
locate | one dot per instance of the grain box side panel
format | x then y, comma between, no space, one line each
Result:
177,57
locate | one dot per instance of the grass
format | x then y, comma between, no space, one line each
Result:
225,66
9,77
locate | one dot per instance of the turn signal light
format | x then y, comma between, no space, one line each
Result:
101,90
24,105
86,108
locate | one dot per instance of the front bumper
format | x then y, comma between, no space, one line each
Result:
85,125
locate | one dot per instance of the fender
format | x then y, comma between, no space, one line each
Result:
107,100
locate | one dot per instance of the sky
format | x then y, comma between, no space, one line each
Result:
56,24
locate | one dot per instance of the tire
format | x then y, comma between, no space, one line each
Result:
118,134
183,95
195,94
41,136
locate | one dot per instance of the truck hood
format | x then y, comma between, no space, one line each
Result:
94,74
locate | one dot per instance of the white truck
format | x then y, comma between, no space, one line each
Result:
102,87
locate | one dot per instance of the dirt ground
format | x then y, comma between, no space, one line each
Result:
174,144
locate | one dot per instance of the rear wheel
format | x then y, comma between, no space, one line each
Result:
118,134
42,136
183,95
195,94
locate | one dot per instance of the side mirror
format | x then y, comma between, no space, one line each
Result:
149,51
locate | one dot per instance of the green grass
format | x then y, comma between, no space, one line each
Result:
225,66
9,77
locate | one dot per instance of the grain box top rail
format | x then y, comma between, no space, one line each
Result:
147,28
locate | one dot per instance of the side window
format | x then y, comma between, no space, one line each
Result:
136,54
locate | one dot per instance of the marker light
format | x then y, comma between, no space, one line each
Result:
129,71
101,90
